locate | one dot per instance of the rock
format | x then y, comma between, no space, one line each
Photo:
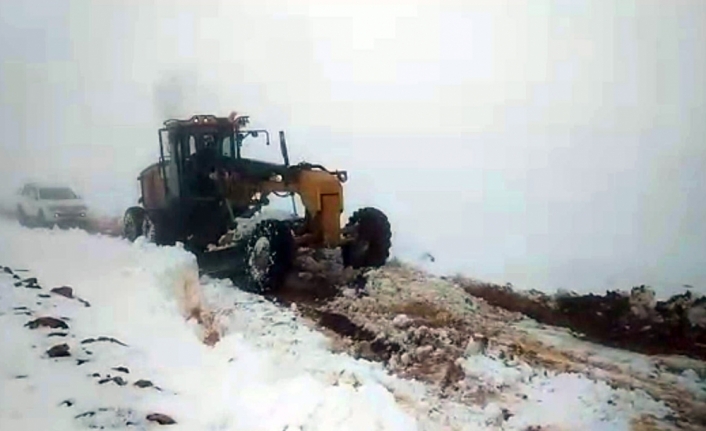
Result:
57,334
453,374
59,351
81,361
143,383
64,291
103,339
7,270
506,414
443,335
423,352
67,403
476,345
405,359
160,418
48,322
421,332
401,321
30,283
117,380
122,370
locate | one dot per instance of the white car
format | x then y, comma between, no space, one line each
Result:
49,205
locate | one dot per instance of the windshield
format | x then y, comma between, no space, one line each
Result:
56,193
257,148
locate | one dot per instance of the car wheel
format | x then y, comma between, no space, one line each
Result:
42,219
22,217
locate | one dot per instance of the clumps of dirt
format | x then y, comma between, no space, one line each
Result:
629,320
113,418
426,328
59,351
27,283
47,322
160,418
416,325
103,339
68,292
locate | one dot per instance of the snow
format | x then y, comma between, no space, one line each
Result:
130,287
569,399
269,371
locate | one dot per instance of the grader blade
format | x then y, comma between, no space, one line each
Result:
228,262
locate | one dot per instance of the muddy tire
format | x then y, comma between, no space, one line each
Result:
133,222
269,256
371,239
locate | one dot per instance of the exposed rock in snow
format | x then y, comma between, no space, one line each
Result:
64,291
59,351
160,418
47,322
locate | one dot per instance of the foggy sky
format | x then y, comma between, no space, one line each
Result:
545,143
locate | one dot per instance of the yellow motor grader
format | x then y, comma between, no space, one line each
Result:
202,188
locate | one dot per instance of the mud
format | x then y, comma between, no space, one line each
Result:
318,280
420,327
616,319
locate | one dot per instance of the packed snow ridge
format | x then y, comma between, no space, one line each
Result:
119,350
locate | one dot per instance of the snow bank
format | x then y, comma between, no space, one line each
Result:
138,294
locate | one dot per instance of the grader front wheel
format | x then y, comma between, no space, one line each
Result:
270,254
370,242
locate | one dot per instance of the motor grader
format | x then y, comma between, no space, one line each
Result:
202,188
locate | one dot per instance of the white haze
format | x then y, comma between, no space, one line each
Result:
545,143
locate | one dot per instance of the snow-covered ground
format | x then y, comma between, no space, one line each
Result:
270,369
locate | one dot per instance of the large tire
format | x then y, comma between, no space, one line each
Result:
132,223
371,239
269,256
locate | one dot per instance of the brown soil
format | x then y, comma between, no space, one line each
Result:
418,326
610,319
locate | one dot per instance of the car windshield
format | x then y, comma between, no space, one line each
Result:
56,193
